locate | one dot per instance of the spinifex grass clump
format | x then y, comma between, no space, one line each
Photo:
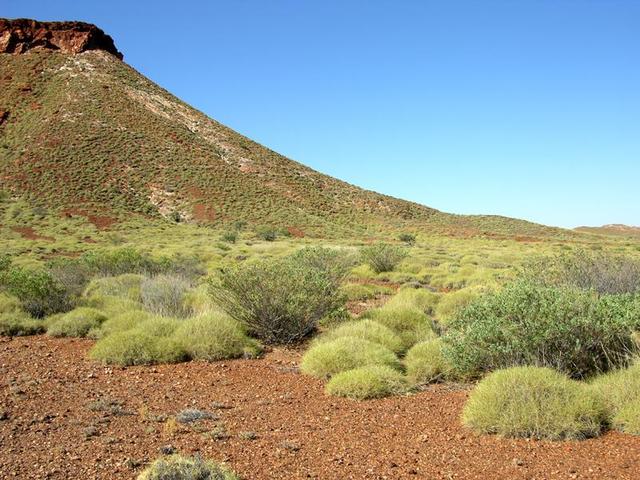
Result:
77,323
409,323
372,381
424,362
573,331
345,353
534,402
176,467
620,392
14,321
366,330
383,257
281,300
215,336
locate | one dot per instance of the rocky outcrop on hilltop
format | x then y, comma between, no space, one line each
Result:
21,35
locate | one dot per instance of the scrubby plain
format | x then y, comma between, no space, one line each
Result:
547,326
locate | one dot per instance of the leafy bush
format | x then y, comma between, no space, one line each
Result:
425,363
136,347
176,467
620,392
281,300
76,323
603,272
366,330
345,353
268,234
72,274
215,337
372,381
39,293
410,324
408,238
383,257
533,402
526,324
230,236
165,295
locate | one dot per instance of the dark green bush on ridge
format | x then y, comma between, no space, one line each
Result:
282,300
572,331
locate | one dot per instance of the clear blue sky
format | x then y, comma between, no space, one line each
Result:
529,109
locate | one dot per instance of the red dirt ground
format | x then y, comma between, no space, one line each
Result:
48,430
30,234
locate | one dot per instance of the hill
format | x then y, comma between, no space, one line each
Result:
617,230
82,131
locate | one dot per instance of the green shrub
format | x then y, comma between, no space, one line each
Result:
123,260
345,353
268,234
424,362
136,347
39,293
72,274
215,337
620,392
419,298
408,238
526,324
176,467
366,330
126,286
533,402
603,272
119,323
165,295
230,236
76,323
281,300
410,324
372,381
383,257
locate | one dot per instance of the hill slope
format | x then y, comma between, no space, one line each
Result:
80,129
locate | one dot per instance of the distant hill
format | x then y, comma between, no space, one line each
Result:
80,130
612,229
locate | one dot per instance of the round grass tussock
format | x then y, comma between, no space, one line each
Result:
215,337
176,467
534,402
346,353
111,305
453,302
410,324
424,362
367,330
627,419
159,326
119,323
372,381
620,392
137,348
76,323
419,298
124,286
20,324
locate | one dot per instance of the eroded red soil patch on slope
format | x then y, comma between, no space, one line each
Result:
30,234
49,431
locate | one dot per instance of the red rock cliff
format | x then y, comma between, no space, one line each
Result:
21,35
